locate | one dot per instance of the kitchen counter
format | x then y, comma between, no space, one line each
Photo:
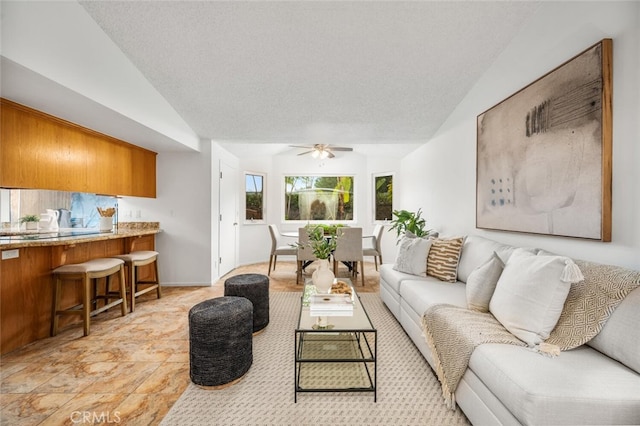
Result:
12,239
45,239
25,274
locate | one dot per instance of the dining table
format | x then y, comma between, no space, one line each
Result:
294,234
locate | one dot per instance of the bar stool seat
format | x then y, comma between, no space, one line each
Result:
88,272
132,261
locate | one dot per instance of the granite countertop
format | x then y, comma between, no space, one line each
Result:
10,240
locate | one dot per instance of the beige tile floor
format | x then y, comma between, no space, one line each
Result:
129,371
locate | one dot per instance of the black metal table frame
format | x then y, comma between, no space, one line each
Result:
361,337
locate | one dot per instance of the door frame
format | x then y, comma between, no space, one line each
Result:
226,187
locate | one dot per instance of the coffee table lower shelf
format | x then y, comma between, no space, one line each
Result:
335,361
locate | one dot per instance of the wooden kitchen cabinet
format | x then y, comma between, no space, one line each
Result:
39,151
111,169
143,173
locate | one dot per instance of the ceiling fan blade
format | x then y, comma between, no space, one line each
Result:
306,152
301,146
339,148
330,154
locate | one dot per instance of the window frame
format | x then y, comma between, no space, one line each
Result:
374,205
248,221
283,198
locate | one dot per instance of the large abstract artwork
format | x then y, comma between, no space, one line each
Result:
544,153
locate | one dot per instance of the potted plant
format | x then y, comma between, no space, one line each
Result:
30,221
406,221
322,246
322,240
330,229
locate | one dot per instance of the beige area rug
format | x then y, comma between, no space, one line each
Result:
408,391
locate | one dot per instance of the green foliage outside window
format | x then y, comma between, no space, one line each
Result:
254,197
383,197
325,198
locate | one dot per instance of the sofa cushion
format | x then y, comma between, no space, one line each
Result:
482,283
530,295
581,386
412,255
476,250
620,336
394,278
443,259
419,295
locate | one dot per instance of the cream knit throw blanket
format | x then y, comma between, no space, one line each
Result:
452,332
591,302
452,341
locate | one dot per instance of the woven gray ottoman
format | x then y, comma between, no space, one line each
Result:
220,340
254,287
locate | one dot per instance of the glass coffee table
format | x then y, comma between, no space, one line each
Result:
335,348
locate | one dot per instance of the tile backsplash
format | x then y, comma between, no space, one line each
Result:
16,203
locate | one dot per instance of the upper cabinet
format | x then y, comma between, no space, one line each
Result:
39,151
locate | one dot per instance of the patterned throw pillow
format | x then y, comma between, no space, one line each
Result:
442,261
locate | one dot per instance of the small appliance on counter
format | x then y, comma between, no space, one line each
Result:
49,220
64,218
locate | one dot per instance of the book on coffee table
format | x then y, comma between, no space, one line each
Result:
330,304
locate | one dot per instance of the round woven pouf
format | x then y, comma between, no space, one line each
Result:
220,340
254,287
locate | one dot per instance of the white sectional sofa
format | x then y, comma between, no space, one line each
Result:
596,383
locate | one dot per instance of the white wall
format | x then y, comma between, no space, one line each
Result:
377,165
187,207
439,177
254,239
183,208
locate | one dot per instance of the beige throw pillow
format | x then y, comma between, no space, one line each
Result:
530,295
444,255
412,255
482,283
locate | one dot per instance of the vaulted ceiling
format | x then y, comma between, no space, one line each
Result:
303,72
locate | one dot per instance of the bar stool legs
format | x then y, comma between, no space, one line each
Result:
87,272
132,262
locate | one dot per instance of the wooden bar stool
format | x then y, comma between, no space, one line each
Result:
134,260
88,272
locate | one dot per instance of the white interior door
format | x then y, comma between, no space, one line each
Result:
228,219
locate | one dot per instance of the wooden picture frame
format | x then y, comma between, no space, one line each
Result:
544,153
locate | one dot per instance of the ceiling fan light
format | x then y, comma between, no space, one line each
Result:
315,153
323,154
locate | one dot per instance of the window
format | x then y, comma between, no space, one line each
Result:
383,196
254,197
322,198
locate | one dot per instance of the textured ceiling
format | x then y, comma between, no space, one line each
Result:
307,72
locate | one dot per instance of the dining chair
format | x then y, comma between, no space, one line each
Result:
304,253
373,245
278,248
349,250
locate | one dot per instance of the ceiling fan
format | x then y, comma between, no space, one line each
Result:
321,151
